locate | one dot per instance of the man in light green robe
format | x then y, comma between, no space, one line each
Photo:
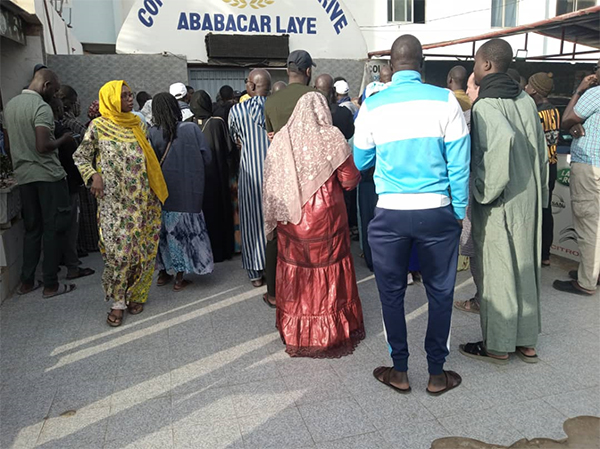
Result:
509,166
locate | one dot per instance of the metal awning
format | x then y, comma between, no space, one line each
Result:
579,27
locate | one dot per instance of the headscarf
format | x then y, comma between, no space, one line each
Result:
110,108
303,156
201,105
147,112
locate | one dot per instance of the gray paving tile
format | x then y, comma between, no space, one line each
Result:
137,421
25,406
335,419
282,430
484,425
270,396
316,387
370,440
162,439
577,403
459,400
534,419
204,405
198,376
210,435
20,436
142,361
389,409
86,428
414,436
85,395
132,390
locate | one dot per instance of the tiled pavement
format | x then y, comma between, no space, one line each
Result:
205,368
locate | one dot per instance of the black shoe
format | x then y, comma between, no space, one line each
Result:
82,253
573,274
569,287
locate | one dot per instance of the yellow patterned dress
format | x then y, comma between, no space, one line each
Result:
129,214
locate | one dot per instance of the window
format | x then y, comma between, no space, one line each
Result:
504,13
411,11
566,6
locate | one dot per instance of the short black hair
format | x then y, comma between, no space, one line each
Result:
66,92
226,93
499,52
190,88
142,97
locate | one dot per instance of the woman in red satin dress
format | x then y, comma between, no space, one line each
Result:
308,166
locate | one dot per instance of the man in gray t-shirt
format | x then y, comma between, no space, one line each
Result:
46,205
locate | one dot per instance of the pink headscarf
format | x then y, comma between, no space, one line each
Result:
301,158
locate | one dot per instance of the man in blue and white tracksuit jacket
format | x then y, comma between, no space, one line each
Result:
416,137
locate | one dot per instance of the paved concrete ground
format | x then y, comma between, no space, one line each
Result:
205,368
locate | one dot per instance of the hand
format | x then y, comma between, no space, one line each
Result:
577,131
587,82
460,223
270,136
97,188
66,138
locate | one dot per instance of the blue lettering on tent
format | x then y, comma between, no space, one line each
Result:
245,24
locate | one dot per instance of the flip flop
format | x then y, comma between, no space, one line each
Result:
569,287
35,287
164,281
462,306
527,358
83,272
385,379
62,290
256,283
574,274
449,375
477,351
267,302
179,286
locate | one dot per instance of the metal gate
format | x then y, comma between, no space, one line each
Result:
211,80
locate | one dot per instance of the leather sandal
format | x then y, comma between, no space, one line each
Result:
453,380
383,374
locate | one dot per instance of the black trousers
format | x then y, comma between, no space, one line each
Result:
435,233
46,209
547,218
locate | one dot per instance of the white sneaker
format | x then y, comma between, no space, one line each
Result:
410,280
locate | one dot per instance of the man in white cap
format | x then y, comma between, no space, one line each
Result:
342,89
180,92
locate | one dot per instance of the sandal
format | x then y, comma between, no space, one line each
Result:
135,308
267,302
62,289
527,358
469,306
385,379
453,380
256,283
477,351
180,285
574,274
113,320
164,279
82,272
35,287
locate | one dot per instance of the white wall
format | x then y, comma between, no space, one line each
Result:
17,63
99,21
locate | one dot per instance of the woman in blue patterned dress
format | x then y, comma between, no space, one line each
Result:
183,153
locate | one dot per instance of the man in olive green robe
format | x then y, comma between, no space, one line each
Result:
509,166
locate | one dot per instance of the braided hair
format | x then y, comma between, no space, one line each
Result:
166,114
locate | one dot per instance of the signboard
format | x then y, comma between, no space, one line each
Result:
12,26
565,237
324,28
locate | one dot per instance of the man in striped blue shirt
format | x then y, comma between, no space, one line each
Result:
416,137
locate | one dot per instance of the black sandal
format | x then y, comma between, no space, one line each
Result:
116,321
385,379
477,351
450,375
82,272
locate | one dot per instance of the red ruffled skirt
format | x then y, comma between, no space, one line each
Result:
318,308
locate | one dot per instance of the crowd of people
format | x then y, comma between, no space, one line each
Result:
282,172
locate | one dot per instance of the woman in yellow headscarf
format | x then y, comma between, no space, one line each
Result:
116,160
